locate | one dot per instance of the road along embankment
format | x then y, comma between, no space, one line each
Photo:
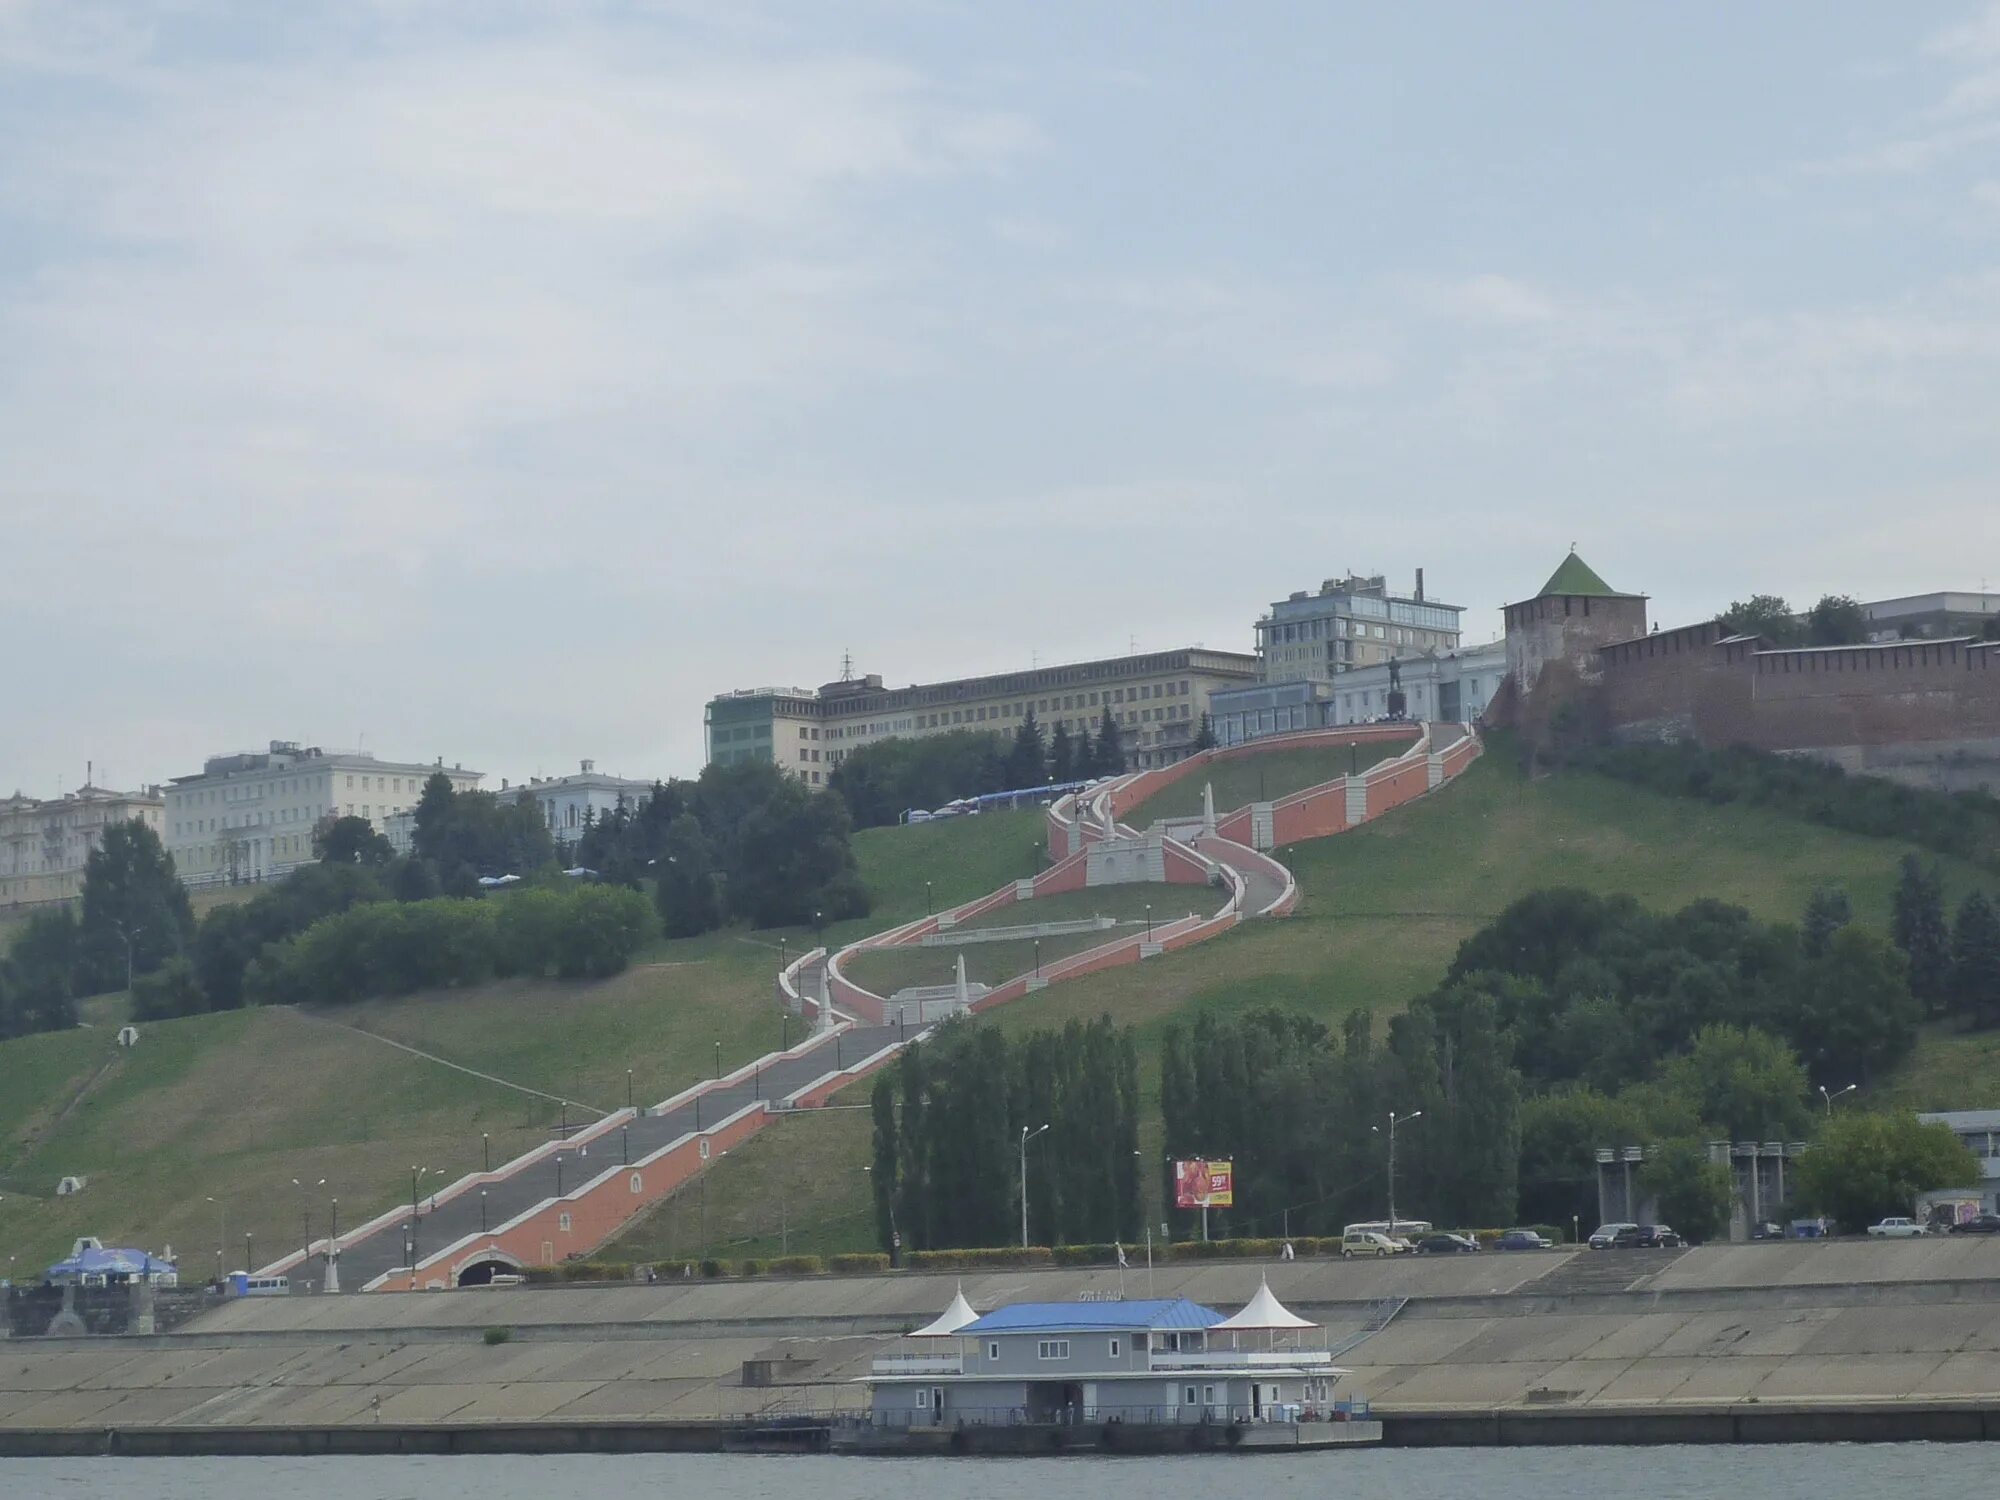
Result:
1733,1344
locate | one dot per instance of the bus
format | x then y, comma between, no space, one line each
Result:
243,1284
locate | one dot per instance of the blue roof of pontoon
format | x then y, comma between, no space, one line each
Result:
1060,1317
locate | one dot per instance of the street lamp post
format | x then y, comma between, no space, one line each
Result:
628,1088
247,1256
718,1059
221,1232
1027,1135
1829,1098
559,1161
1149,921
930,907
482,1210
486,1150
1038,958
1395,1120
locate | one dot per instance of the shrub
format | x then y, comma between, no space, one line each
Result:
991,1257
498,1335
857,1262
797,1265
752,1267
714,1269
384,948
596,1270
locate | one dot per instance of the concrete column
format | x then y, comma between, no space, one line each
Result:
960,993
1208,808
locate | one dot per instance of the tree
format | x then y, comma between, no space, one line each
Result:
1742,1083
1975,961
1837,620
1027,762
1204,735
1062,761
136,914
882,1172
1852,1014
170,990
1561,1133
1109,757
39,985
433,812
1827,911
1917,926
685,893
350,840
793,861
1866,1165
1691,1192
1764,615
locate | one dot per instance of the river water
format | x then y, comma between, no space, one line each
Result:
1828,1472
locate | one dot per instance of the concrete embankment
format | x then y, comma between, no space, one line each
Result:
1732,1344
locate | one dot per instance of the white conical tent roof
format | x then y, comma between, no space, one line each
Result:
1265,1311
950,1320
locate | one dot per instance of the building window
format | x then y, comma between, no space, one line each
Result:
1190,1395
1052,1349
1114,1348
923,1398
562,1223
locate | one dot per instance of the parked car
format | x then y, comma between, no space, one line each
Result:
1656,1237
1446,1244
1978,1224
1607,1235
1767,1231
1896,1229
1522,1239
1368,1243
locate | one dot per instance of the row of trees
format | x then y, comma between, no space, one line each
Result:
1836,620
1954,970
881,781
949,1118
134,917
742,842
1303,1114
1596,989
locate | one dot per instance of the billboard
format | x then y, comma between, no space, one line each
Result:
1204,1184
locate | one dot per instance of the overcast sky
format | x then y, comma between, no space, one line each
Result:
497,380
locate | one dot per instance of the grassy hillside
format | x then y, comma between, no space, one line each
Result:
1387,905
234,1106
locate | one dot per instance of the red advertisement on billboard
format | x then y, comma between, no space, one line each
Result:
1204,1184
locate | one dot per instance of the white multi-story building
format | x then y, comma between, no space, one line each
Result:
569,804
45,844
250,817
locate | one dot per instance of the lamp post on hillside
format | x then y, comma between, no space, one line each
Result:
1027,1135
1149,921
330,1282
628,1088
718,1060
305,1221
486,1150
221,1234
482,1210
930,907
1395,1120
1829,1098
248,1258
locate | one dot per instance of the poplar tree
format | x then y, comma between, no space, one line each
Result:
1917,926
1975,961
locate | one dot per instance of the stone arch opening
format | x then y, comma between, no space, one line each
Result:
483,1267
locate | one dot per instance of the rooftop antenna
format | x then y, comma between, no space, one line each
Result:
847,666
1131,645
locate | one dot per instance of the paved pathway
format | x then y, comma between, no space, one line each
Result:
534,1182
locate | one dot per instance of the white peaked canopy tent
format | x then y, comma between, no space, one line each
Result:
950,1320
1264,1311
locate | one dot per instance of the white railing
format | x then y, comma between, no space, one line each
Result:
1241,1359
920,1364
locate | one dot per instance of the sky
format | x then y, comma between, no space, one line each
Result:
499,380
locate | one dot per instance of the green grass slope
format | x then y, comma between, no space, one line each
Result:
232,1107
1386,906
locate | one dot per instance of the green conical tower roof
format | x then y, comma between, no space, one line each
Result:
1575,576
